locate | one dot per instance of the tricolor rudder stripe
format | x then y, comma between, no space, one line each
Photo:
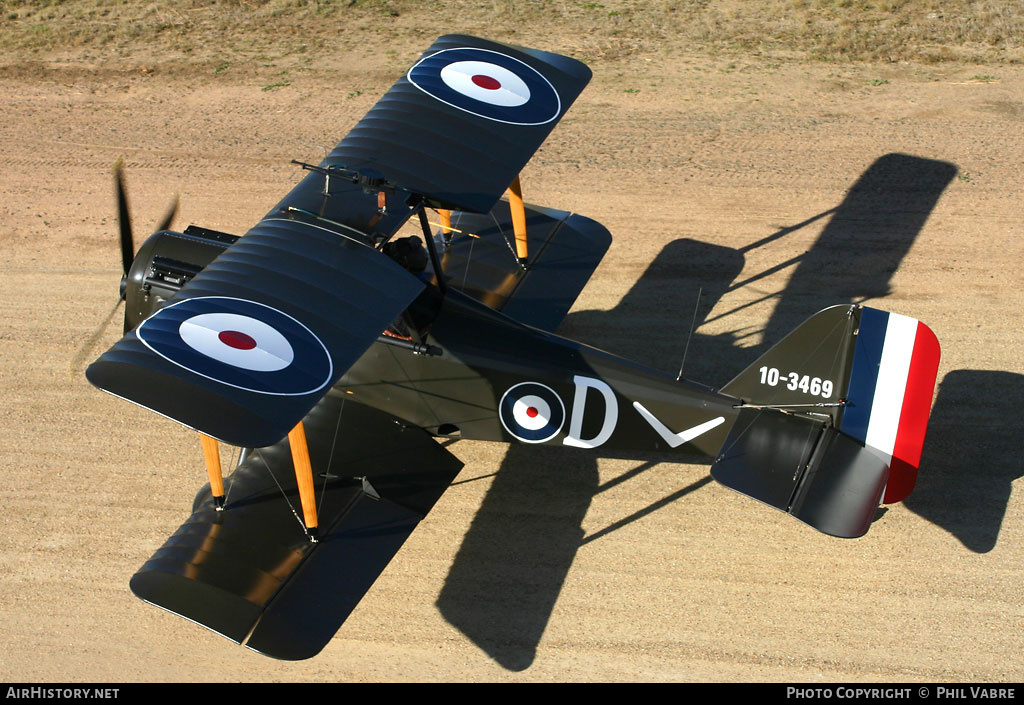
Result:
895,363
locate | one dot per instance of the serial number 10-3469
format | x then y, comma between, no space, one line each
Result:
794,381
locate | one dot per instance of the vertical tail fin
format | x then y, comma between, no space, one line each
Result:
836,412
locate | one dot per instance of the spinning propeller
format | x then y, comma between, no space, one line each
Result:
124,224
127,257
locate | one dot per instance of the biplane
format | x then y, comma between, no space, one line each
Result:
334,352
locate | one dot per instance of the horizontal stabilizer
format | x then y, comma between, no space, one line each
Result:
565,249
250,573
250,344
801,467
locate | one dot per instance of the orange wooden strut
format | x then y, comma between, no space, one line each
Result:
211,454
446,221
515,202
304,477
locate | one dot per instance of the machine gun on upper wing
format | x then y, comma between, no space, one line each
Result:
304,343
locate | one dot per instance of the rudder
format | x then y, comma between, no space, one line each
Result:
889,397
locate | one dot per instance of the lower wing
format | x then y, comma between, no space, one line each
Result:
250,573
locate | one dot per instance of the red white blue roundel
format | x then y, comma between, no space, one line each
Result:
489,84
239,343
531,412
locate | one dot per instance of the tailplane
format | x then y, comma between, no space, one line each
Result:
834,418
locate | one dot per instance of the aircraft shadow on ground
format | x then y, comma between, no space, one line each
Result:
513,561
969,461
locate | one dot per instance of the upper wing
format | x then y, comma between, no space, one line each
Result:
249,345
465,119
251,574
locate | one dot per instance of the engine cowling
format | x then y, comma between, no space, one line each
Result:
164,264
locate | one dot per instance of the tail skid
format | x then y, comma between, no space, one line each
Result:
834,418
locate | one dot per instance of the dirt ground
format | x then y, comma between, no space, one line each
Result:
774,189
